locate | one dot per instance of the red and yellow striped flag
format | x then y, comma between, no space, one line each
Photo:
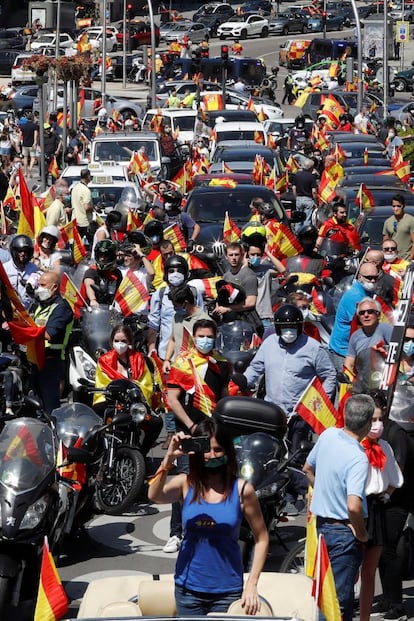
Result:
71,293
251,106
53,168
324,589
366,157
402,170
174,234
52,601
316,408
292,164
26,225
231,232
213,101
131,294
282,182
339,154
79,250
10,199
311,546
364,199
133,221
282,242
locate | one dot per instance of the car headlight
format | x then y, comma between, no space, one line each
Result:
138,412
35,513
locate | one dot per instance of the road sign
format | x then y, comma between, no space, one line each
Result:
402,32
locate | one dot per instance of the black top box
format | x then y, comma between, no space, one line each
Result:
245,415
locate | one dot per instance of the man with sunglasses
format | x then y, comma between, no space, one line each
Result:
400,228
367,345
393,264
363,285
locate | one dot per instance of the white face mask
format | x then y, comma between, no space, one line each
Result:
42,293
288,335
390,256
175,279
377,427
369,286
120,347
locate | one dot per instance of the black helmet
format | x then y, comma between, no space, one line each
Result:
177,262
300,121
172,200
105,254
138,237
19,244
267,210
288,316
308,231
154,230
114,219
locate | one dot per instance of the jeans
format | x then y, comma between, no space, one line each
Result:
390,565
305,204
190,603
169,422
345,553
176,521
46,383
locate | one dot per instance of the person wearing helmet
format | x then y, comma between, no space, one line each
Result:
267,213
46,256
171,214
22,273
298,135
82,204
101,281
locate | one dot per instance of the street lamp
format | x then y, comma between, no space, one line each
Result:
153,74
359,59
103,65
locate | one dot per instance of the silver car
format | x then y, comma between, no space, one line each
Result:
195,31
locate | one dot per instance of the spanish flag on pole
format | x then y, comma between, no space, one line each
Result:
364,199
79,250
213,101
131,294
311,546
133,221
53,168
71,293
326,190
316,408
175,235
402,170
26,224
282,242
52,601
324,590
231,232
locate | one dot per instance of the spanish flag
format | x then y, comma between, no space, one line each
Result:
10,199
213,101
270,181
261,115
326,190
53,168
131,294
324,590
339,154
79,250
366,157
231,232
226,168
258,137
71,293
364,199
332,109
83,44
133,221
223,182
333,69
175,235
156,122
26,225
282,182
402,170
188,372
52,601
292,164
316,408
396,157
23,446
139,163
251,106
282,242
49,197
311,546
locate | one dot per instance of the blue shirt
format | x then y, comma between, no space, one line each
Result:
288,370
339,340
341,470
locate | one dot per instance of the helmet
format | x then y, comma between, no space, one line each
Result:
21,243
129,198
267,210
308,231
300,121
105,254
102,112
154,230
138,237
51,231
114,220
288,316
177,262
254,234
172,200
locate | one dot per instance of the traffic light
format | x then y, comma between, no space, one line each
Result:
323,17
224,52
130,11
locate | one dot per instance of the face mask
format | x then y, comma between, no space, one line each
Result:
288,335
390,256
180,312
120,348
391,135
204,344
42,294
369,286
175,279
305,312
66,199
408,348
377,427
255,261
216,462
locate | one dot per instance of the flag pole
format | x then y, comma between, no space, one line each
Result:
88,307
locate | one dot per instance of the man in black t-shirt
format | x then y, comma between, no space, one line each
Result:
29,138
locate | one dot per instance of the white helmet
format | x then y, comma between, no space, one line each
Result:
51,230
102,112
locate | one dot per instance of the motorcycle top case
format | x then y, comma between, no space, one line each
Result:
245,415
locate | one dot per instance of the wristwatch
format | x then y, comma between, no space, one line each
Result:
386,497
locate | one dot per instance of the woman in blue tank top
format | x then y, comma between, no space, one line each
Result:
209,569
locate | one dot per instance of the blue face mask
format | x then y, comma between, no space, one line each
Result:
180,312
216,462
255,261
204,344
408,348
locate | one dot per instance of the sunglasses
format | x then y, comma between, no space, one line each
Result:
389,249
369,277
368,311
408,339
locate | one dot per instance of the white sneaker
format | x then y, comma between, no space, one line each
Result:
172,545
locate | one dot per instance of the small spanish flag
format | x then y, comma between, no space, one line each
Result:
52,601
53,168
231,232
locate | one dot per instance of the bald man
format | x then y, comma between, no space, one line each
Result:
56,314
385,285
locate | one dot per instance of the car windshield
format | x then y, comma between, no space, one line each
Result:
237,18
45,38
211,206
372,228
244,134
184,123
209,10
106,196
121,150
242,155
182,28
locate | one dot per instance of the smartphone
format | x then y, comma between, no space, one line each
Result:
196,445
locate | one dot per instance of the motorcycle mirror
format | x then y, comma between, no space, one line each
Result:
364,238
85,382
240,380
33,402
81,455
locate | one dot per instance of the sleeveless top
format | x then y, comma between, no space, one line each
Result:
209,560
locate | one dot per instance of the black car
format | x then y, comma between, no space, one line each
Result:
382,198
371,224
243,153
262,7
213,19
7,58
11,40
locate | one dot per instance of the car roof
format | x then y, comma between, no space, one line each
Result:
340,137
144,135
377,181
238,125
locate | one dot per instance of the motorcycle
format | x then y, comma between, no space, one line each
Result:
238,342
30,504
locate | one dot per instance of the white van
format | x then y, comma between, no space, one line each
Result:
108,148
181,120
243,130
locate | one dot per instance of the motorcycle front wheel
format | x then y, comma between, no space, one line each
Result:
294,561
121,487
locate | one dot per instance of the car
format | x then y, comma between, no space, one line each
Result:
19,73
205,180
247,131
213,8
167,28
182,121
240,100
403,80
48,39
11,40
279,128
382,198
356,150
7,58
262,7
213,16
402,112
365,11
287,22
403,12
243,26
107,193
95,37
98,173
333,22
345,99
243,152
195,31
370,224
207,206
181,86
386,181
23,97
139,33
119,147
343,8
237,115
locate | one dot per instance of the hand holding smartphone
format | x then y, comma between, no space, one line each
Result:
200,444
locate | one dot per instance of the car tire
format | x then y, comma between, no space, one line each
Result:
285,31
115,47
341,27
243,34
304,29
265,32
400,85
222,37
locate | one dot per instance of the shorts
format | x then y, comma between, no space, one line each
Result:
5,150
26,151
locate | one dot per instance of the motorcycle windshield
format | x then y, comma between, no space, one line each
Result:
27,454
257,454
305,265
402,409
74,421
236,336
96,327
332,249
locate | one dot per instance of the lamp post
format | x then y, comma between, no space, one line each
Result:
386,77
359,58
57,46
153,74
103,65
124,44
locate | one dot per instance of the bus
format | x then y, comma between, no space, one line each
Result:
333,49
251,70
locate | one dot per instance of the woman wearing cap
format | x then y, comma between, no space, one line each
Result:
45,256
